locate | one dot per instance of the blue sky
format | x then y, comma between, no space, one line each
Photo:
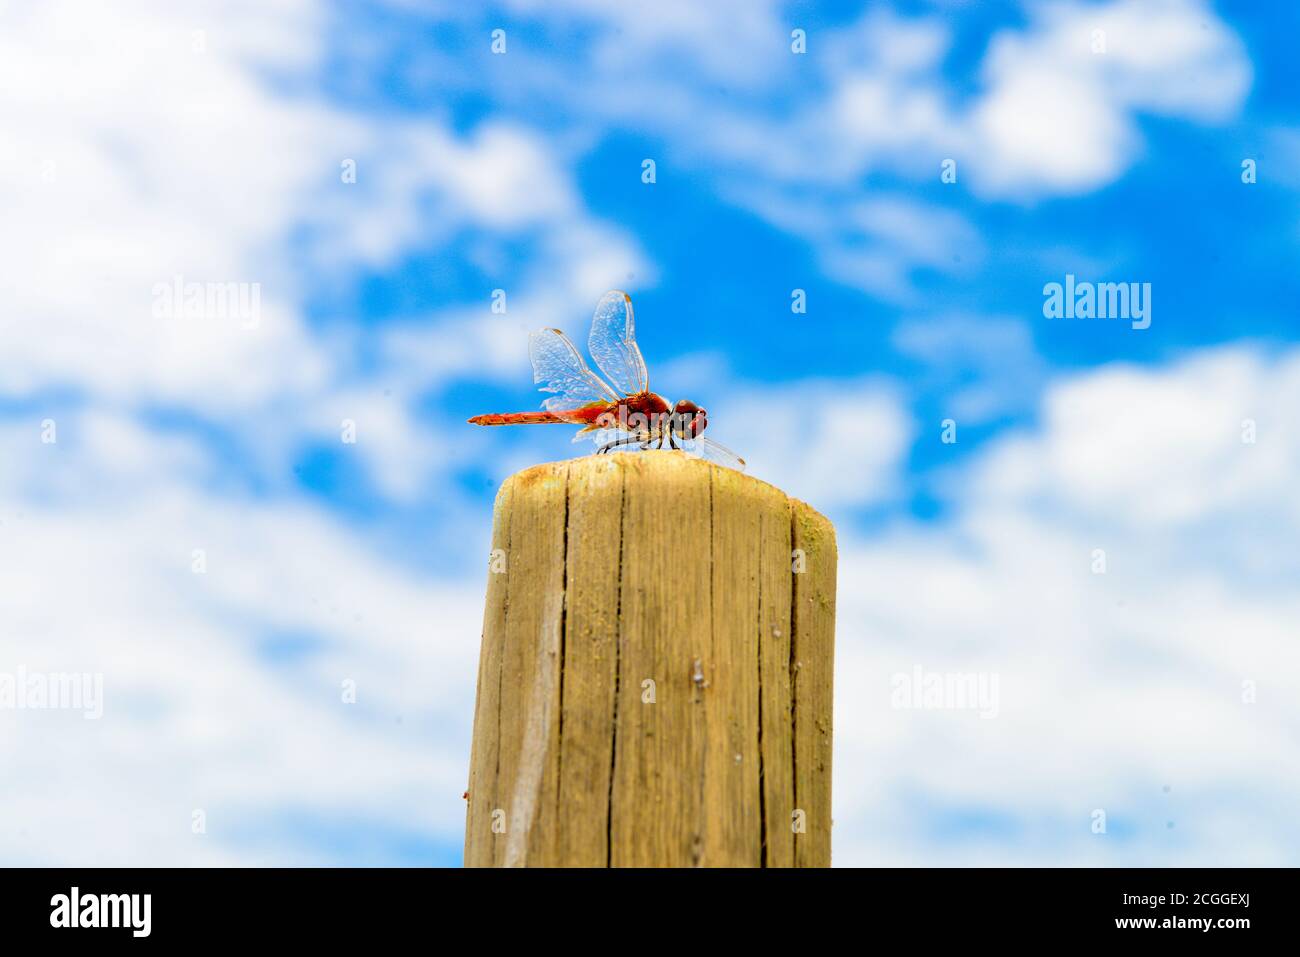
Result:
197,527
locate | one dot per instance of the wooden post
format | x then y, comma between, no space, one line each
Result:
654,684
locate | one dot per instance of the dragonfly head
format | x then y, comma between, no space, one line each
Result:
689,420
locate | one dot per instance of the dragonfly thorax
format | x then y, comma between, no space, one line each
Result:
642,413
649,414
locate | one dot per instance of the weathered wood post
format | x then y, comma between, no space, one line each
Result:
654,685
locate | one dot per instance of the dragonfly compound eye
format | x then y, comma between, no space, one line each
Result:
688,419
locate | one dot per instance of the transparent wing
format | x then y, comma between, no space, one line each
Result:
708,449
602,437
612,344
558,368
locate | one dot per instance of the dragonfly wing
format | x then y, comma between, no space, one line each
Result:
601,437
612,344
558,368
708,449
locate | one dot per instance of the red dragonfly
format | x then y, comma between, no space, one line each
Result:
621,414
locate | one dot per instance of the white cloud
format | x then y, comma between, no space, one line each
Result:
987,366
701,37
119,179
836,444
876,244
1051,117
794,138
1165,448
153,142
1058,114
887,239
196,715
1112,686
418,184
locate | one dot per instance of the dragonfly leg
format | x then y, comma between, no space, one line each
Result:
628,440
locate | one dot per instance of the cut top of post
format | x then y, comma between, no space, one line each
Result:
656,672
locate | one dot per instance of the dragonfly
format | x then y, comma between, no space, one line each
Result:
617,412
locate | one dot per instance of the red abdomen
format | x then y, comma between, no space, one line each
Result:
580,416
645,405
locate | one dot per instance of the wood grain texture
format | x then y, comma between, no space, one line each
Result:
655,677
487,707
591,661
812,660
